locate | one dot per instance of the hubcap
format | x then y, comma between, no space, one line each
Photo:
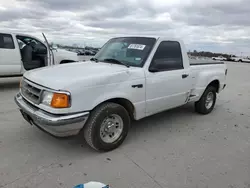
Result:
111,128
209,100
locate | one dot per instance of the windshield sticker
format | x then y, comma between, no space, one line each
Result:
136,46
137,58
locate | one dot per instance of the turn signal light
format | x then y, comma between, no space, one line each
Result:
60,100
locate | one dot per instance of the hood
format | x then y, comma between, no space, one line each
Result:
65,54
81,74
64,51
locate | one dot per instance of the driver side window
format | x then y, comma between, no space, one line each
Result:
37,45
6,41
167,57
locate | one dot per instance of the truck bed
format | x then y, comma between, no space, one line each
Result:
200,69
204,62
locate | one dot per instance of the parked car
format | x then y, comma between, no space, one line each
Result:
219,58
21,52
241,59
86,53
230,58
129,79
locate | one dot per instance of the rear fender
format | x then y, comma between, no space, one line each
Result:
204,78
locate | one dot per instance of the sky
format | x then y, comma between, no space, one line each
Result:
209,25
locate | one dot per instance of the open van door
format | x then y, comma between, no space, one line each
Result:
50,55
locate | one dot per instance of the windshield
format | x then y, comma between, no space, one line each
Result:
132,51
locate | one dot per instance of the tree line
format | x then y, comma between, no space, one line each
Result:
209,54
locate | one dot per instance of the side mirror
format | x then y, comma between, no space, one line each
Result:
52,48
153,69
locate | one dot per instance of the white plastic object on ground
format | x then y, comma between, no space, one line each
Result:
92,185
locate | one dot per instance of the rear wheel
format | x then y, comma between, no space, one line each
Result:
107,127
207,101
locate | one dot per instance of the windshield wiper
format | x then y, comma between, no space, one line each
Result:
94,59
115,61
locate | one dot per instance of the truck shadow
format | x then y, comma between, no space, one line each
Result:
172,121
9,83
157,128
176,119
154,127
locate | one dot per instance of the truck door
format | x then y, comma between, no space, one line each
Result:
168,82
10,59
50,55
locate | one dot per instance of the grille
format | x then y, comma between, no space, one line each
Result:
31,92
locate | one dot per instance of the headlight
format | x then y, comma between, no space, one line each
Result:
47,98
56,100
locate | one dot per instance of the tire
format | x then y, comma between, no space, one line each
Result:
202,106
94,125
240,60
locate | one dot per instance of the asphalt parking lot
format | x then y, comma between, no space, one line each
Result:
177,148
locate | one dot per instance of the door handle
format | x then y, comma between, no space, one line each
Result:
137,85
185,76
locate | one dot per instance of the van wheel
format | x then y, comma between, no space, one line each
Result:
207,101
107,127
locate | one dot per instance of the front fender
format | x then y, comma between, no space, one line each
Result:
60,56
90,97
138,104
109,96
104,88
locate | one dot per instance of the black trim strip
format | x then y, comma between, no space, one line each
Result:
8,76
214,63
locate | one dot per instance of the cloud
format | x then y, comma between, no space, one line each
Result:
216,25
20,11
214,13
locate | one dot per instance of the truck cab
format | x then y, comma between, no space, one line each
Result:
130,78
21,52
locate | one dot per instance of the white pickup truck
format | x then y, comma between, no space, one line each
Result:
219,58
21,52
241,59
130,78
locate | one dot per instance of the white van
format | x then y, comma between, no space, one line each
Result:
21,52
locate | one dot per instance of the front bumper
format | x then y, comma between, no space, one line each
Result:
57,125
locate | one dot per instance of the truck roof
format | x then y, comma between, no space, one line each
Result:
156,37
147,36
152,36
14,33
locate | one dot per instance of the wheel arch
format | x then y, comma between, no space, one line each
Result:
127,104
215,83
66,61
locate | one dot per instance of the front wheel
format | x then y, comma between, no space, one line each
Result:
107,127
207,101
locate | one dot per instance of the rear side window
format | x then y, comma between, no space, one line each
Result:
168,56
6,41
